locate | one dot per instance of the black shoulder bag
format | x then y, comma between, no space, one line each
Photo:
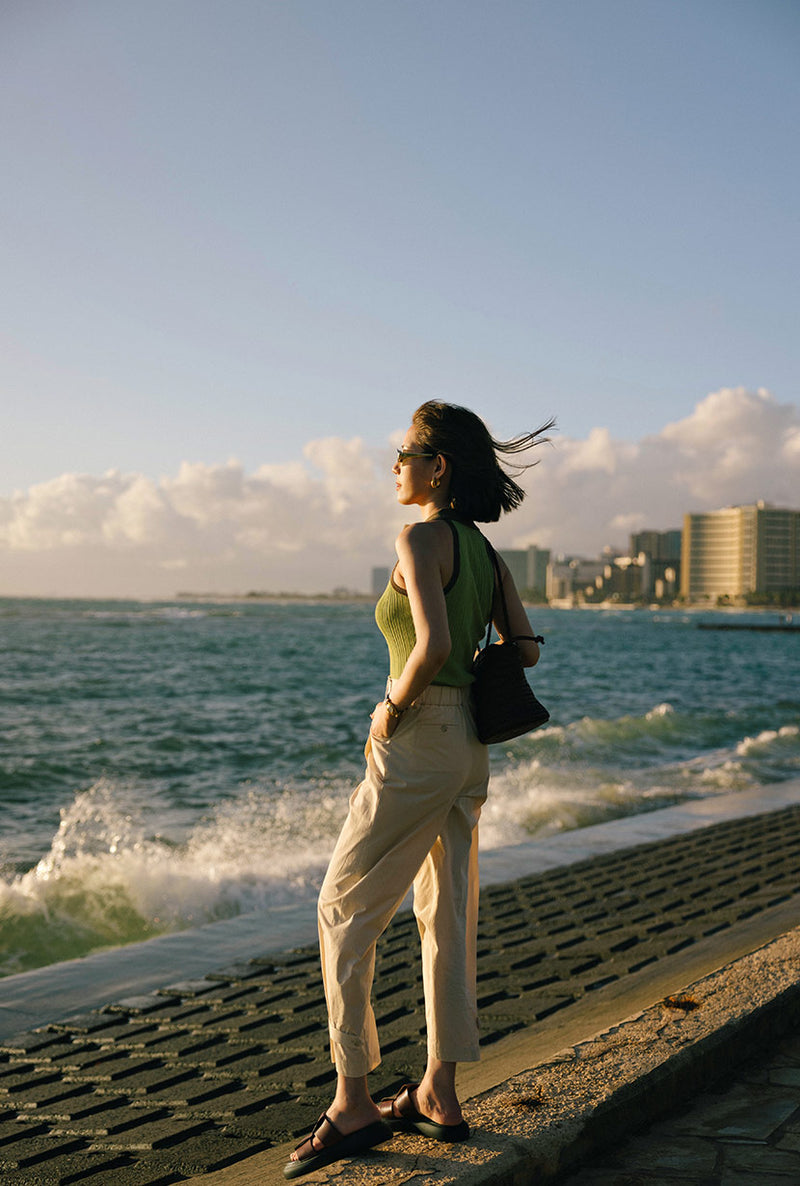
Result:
504,703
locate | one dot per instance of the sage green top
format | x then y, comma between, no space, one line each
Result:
468,598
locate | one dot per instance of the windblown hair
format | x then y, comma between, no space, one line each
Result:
480,489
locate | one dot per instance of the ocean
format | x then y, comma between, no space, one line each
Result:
164,765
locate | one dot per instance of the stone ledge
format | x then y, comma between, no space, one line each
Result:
594,1094
545,1123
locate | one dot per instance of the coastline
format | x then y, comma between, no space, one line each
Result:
356,597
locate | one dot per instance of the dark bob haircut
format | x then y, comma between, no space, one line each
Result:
480,489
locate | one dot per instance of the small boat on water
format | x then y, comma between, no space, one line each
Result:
785,624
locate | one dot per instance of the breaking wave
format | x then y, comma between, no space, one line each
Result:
111,878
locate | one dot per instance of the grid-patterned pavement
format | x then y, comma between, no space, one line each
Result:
200,1075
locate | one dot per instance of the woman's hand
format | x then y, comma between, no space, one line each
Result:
383,723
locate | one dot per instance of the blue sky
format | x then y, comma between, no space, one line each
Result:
230,229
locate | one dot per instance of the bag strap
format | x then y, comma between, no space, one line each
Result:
537,638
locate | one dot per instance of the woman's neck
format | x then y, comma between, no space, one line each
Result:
432,510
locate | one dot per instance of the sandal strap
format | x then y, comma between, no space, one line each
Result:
403,1107
323,1136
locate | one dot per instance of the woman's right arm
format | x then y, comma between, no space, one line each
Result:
420,560
517,617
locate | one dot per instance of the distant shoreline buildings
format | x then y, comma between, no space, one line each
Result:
740,555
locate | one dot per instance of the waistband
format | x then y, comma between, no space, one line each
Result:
439,694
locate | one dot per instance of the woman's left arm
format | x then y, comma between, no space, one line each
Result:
517,617
421,561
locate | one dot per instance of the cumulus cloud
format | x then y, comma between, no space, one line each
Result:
737,446
309,526
325,519
597,453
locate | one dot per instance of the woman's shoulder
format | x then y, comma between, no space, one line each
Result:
423,538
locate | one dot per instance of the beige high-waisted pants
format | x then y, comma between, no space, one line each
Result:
413,820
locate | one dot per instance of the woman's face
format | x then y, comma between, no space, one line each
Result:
412,474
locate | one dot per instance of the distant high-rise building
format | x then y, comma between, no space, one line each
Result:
538,560
658,545
528,567
517,561
569,577
380,579
740,550
662,549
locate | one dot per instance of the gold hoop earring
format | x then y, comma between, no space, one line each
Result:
435,483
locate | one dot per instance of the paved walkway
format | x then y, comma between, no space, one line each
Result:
225,1070
746,1132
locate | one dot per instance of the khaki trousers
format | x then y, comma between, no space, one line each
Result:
413,820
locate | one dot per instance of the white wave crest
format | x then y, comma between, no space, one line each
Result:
660,710
766,739
107,879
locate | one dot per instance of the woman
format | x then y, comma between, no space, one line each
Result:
413,820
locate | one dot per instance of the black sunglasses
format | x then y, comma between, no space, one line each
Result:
404,454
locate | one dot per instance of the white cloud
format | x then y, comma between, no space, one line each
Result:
626,523
309,525
596,453
791,445
737,446
324,520
723,415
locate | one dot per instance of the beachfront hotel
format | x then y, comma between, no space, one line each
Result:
740,551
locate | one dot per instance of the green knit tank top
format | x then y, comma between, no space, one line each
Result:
468,598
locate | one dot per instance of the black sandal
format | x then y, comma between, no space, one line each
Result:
335,1145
